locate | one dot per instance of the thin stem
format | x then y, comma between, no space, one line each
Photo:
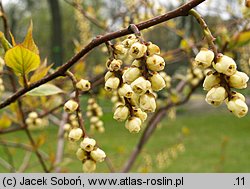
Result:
181,11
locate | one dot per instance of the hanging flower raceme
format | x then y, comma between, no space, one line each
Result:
134,86
220,81
89,154
94,113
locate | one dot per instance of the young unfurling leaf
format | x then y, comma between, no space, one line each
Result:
28,42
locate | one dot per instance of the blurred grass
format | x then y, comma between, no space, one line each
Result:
203,146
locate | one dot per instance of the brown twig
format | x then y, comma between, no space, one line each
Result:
181,11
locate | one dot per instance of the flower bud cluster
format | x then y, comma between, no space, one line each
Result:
220,81
94,113
136,85
89,154
194,76
72,130
33,121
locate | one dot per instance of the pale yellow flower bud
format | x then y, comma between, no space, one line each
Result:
33,115
114,65
211,80
120,49
139,113
129,41
112,83
236,95
204,58
153,49
136,63
140,85
2,88
88,144
81,154
133,124
66,127
216,96
198,73
137,50
108,75
238,80
131,74
89,113
114,99
72,117
83,85
238,107
121,113
134,100
225,65
29,121
94,119
167,79
75,134
155,63
98,155
125,91
38,122
70,106
89,166
148,103
99,123
157,82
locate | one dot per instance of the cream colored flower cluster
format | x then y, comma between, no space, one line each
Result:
135,85
72,130
89,154
33,121
94,113
220,81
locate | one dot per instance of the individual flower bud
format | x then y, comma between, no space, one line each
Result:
129,41
70,106
92,100
238,107
147,102
120,49
131,74
121,113
198,73
75,134
211,80
204,58
88,144
75,123
155,63
99,112
216,96
237,95
38,121
108,75
136,63
194,81
72,117
140,85
33,115
134,100
89,113
99,124
83,85
101,129
112,83
81,154
157,82
94,119
98,155
139,113
125,91
153,49
133,124
238,80
137,50
115,65
29,121
114,99
89,166
167,79
225,65
66,127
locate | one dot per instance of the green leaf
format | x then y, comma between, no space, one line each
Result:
45,90
29,42
240,39
21,60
